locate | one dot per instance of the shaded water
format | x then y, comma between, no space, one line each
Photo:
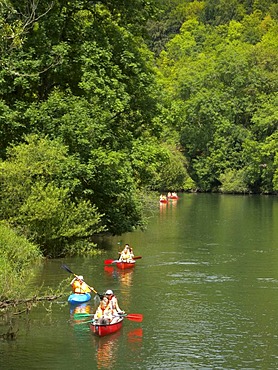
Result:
206,285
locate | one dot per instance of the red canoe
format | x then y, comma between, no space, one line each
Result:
125,265
102,329
163,201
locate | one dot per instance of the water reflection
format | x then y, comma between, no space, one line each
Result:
80,315
82,308
173,202
123,276
107,348
110,271
165,207
135,335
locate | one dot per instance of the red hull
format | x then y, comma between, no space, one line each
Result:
163,201
102,330
173,197
125,265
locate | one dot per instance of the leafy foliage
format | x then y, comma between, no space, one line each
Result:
224,78
91,119
79,76
17,259
40,184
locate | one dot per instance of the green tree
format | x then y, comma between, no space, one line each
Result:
40,184
222,87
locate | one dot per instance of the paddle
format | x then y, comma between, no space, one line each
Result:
85,322
91,288
135,258
79,315
109,262
131,316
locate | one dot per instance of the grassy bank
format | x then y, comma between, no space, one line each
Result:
18,257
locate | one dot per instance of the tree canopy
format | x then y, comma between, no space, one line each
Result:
223,73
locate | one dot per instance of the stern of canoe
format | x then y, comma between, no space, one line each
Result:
75,298
101,329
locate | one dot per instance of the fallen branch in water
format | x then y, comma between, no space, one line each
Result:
16,302
10,310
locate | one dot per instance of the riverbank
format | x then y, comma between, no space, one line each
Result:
18,260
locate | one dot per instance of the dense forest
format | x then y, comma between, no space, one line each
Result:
103,103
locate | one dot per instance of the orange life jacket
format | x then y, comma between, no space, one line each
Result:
80,287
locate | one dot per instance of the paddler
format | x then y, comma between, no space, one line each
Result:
113,303
79,286
127,254
103,314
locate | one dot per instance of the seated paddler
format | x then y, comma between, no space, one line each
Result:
79,286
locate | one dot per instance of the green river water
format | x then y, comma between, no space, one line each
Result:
207,285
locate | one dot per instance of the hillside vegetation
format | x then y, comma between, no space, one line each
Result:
103,103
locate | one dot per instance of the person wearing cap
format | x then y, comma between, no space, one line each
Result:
127,254
79,286
113,303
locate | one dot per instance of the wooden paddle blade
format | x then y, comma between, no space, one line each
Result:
137,257
109,262
134,317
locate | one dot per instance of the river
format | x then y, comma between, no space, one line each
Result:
207,285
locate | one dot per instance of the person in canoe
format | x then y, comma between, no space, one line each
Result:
131,252
103,314
79,286
163,198
126,254
113,303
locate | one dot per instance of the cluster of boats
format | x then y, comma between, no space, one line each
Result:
170,196
102,329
